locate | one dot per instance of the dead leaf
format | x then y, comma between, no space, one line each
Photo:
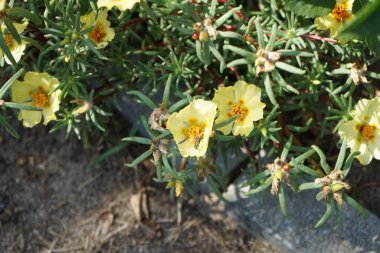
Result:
135,202
105,222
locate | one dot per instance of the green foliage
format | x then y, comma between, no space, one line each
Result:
166,54
365,26
310,8
365,23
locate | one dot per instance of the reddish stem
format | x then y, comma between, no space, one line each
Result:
316,37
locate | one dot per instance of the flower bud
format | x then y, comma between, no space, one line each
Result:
336,186
75,36
264,131
203,36
84,106
65,41
278,174
290,33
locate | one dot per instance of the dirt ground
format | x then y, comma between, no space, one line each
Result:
49,203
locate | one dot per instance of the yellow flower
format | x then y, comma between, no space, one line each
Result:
102,33
16,49
243,99
37,89
363,131
192,127
122,5
336,18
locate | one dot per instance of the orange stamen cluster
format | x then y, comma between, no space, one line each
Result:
40,99
368,132
9,40
97,34
238,108
341,12
194,132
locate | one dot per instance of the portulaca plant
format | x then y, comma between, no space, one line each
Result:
220,80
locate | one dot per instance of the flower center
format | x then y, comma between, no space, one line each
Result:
194,133
97,34
9,41
238,109
368,132
341,12
40,99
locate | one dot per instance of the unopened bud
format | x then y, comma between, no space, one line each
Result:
75,36
336,186
278,174
65,41
346,117
264,131
84,106
203,36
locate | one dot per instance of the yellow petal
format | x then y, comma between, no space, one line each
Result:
328,22
178,188
226,130
205,108
2,4
49,111
20,28
251,95
256,113
88,20
17,52
49,114
222,96
349,129
170,185
241,88
122,5
323,23
365,156
30,118
376,145
365,108
21,92
242,129
41,80
334,29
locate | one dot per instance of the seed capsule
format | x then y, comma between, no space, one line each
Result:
195,36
